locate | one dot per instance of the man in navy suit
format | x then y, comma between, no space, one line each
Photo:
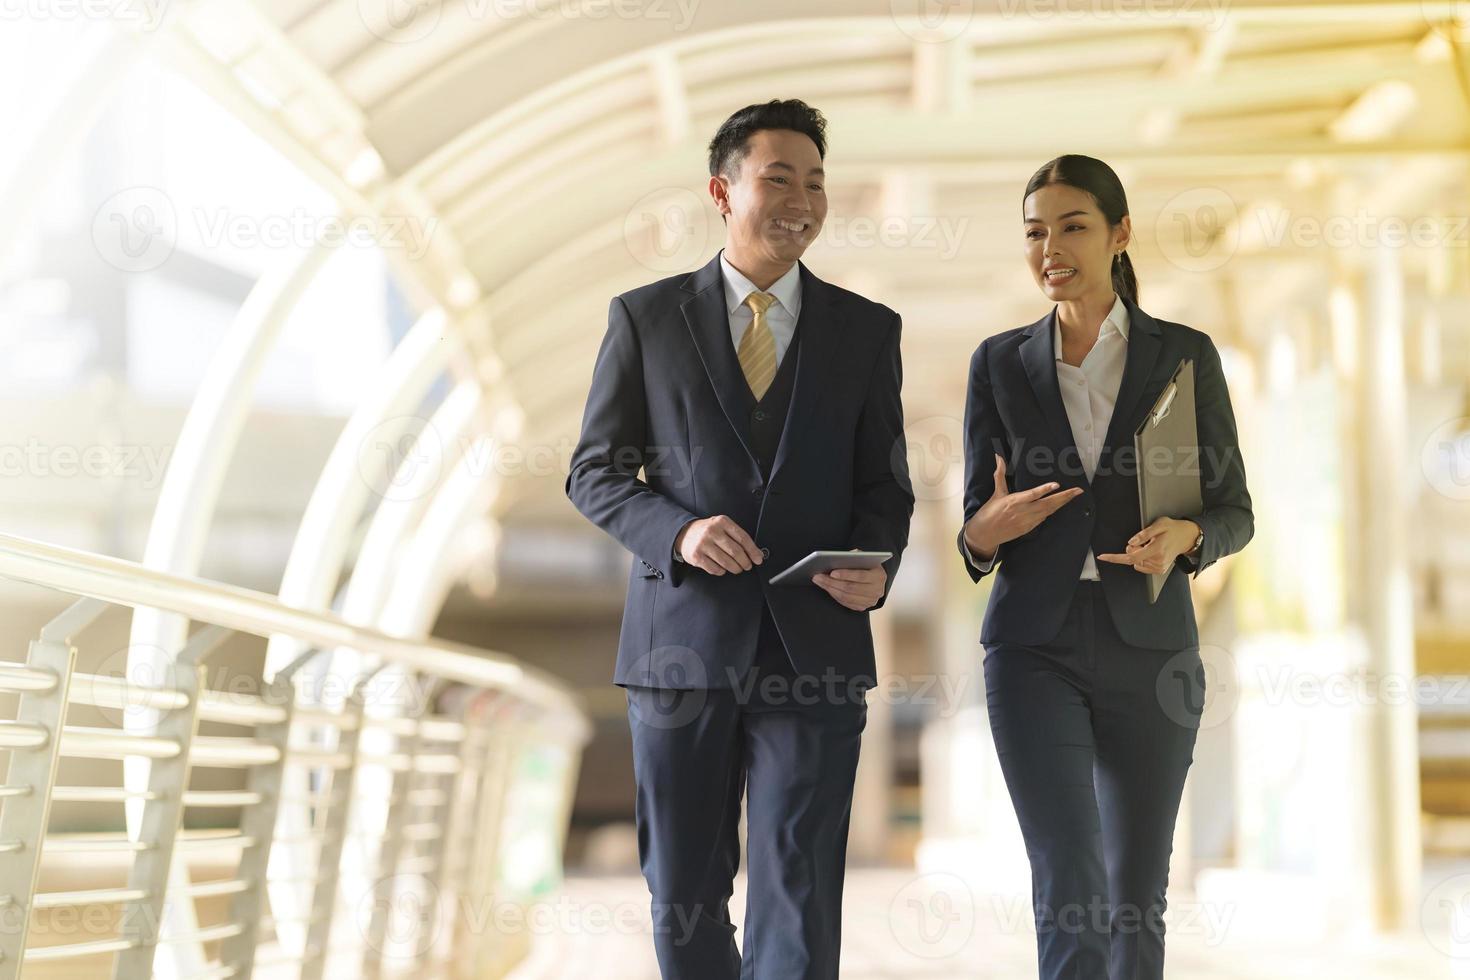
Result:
762,406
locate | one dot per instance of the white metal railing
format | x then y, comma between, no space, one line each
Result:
433,840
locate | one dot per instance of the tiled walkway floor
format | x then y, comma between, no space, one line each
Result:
899,925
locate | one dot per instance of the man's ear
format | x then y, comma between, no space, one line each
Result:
719,191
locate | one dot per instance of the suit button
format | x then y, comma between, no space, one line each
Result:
756,491
760,416
1087,512
765,552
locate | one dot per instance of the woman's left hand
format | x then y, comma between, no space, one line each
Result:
1154,548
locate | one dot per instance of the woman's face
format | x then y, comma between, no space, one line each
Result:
1069,245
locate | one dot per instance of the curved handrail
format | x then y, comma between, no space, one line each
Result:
128,583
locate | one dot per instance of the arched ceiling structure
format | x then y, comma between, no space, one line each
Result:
560,144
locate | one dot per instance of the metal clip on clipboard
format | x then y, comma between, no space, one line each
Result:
1161,411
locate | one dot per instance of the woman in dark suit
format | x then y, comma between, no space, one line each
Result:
1094,694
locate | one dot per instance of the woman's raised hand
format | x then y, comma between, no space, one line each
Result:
1006,516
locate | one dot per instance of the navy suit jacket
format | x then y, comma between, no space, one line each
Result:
668,397
1014,407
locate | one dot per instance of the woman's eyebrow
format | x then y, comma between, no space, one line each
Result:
1061,217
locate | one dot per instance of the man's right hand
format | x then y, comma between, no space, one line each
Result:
1006,516
717,545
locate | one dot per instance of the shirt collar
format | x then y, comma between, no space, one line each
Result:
1117,319
787,289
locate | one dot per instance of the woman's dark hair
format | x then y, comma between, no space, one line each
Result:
1096,178
729,146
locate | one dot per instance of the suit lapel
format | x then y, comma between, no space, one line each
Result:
709,325
1143,351
1038,357
819,336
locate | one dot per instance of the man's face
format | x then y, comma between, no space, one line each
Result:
774,200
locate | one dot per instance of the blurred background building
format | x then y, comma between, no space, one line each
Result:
298,306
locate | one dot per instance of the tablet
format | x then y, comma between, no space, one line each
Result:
825,561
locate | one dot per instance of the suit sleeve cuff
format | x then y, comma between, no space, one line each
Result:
983,567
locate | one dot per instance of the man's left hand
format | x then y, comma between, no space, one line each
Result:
1154,548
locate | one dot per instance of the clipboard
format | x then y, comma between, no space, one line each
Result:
1166,448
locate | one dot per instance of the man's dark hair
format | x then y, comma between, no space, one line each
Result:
731,143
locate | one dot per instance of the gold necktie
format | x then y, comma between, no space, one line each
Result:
757,350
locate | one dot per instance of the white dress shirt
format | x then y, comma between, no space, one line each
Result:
780,317
1089,391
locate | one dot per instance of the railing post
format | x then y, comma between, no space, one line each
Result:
494,792
334,837
384,884
258,822
163,811
23,818
456,845
444,889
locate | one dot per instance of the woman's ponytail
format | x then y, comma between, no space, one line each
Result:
1125,283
